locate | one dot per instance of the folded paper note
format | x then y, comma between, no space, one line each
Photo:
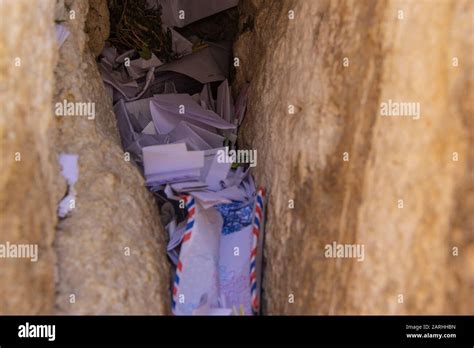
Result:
197,270
193,10
195,137
171,163
70,172
205,65
220,260
168,110
62,33
234,254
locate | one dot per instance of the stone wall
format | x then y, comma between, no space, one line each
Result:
28,193
297,62
109,253
409,266
110,250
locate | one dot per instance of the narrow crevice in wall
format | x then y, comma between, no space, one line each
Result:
146,63
392,191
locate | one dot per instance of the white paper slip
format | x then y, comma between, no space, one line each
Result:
139,67
170,193
191,139
236,177
196,137
118,79
170,158
172,177
127,54
127,133
179,44
176,233
62,33
208,199
70,171
168,110
206,65
234,272
214,172
149,129
188,186
194,10
224,102
168,148
174,256
206,310
197,274
139,112
109,53
206,97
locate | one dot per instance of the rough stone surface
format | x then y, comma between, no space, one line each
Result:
28,193
113,212
408,251
97,25
115,215
460,86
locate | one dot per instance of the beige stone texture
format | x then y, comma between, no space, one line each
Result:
28,193
86,254
97,25
115,215
408,251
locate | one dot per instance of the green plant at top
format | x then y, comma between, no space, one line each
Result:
135,25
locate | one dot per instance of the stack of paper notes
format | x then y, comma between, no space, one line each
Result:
171,163
178,122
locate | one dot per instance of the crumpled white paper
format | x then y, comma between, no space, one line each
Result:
70,171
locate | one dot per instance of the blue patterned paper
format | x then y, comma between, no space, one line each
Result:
236,215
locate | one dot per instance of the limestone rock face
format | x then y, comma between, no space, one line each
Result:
97,25
28,188
400,192
400,187
111,249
